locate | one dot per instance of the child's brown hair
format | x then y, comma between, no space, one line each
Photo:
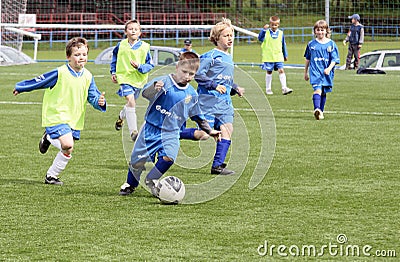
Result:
274,19
218,28
323,24
134,21
75,42
189,58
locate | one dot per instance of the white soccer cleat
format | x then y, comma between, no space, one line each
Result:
318,113
321,115
269,92
286,90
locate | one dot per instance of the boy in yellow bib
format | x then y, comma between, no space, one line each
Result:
130,65
68,89
274,53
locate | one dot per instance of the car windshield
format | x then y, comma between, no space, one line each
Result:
369,61
391,60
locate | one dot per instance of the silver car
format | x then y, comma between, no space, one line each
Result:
162,55
386,60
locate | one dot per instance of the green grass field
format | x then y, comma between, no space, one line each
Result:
330,177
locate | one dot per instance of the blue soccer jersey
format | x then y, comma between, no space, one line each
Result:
216,68
170,108
321,55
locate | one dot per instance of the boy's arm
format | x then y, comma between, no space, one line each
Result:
46,80
113,64
152,88
284,49
361,41
94,96
201,75
148,65
307,64
261,35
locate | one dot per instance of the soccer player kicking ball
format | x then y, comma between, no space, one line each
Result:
215,86
130,66
321,57
68,88
172,101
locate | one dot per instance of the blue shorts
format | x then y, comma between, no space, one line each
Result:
271,66
324,89
125,90
215,121
153,141
59,130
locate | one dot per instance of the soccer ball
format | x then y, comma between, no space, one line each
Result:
171,190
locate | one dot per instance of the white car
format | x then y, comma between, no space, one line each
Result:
162,55
386,60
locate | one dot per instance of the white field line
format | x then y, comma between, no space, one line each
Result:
244,109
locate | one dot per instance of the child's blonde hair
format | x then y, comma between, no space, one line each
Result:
75,42
274,19
323,24
218,28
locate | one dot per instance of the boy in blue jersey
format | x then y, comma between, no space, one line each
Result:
68,88
215,86
321,57
274,52
172,101
130,65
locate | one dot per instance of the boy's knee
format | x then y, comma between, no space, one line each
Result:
200,135
168,159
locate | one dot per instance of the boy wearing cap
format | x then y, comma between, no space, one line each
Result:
356,38
187,47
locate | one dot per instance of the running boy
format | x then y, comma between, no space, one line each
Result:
321,57
215,86
64,104
130,65
356,38
172,101
273,50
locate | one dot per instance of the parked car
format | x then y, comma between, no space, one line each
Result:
162,55
387,60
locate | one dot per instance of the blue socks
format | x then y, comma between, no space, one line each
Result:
220,152
159,169
131,180
319,101
187,133
316,100
323,100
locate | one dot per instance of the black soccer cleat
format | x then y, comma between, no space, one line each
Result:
53,181
221,170
44,144
126,189
119,123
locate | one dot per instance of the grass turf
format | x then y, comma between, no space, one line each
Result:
331,177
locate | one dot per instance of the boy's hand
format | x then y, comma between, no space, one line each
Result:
285,59
102,99
327,71
221,89
114,78
306,77
15,92
266,26
158,85
240,91
344,42
359,46
135,64
216,134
